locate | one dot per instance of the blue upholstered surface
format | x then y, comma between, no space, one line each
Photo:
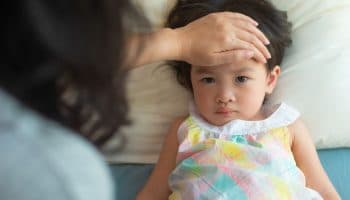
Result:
337,164
130,177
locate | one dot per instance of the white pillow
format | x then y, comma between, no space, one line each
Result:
315,75
315,79
155,99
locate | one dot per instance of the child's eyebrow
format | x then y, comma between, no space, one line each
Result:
203,70
244,69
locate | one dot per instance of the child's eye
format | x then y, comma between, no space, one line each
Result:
207,80
241,79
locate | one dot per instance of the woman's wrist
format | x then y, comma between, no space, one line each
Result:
160,45
172,44
183,44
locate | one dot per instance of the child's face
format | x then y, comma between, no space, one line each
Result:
233,91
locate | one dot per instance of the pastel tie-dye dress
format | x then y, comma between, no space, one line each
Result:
240,160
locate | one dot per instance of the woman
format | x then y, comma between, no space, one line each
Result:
53,46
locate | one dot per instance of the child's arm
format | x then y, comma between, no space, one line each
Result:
157,184
307,160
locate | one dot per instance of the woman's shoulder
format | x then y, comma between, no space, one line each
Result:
63,168
43,158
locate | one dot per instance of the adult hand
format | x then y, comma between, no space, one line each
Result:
221,38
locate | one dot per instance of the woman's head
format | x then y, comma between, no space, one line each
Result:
52,46
272,22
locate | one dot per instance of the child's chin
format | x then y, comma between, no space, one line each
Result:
222,122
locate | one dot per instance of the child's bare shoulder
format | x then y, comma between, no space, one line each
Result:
298,129
297,126
175,125
178,121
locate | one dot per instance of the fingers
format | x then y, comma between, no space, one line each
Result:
243,45
252,29
223,35
232,56
251,38
245,28
238,16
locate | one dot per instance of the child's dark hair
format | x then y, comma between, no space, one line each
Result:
272,22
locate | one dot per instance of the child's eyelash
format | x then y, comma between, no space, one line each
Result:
207,80
241,79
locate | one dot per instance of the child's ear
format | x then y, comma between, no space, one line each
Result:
272,78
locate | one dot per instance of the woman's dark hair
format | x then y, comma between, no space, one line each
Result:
54,47
272,22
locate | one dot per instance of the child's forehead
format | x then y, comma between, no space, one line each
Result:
243,66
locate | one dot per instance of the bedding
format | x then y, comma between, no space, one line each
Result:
130,178
315,72
315,80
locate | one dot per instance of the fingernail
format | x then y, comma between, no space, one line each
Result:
267,42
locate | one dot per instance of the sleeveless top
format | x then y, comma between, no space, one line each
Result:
239,160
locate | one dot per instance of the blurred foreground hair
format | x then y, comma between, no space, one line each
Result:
64,59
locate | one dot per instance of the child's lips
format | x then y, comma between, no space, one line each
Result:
224,111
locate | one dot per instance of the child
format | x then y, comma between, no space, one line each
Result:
233,145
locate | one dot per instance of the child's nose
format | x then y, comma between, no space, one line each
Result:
225,95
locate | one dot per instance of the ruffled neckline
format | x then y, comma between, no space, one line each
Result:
278,116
